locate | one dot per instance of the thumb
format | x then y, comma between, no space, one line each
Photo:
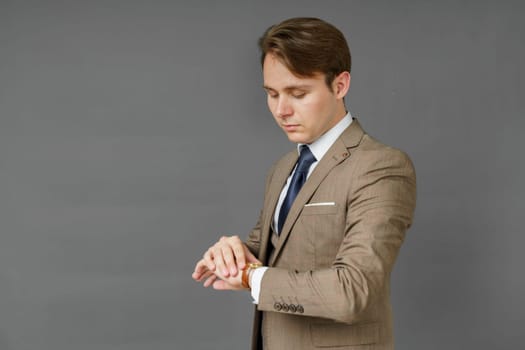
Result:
250,258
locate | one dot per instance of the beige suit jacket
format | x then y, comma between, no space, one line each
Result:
328,285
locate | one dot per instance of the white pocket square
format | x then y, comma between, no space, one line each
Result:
319,204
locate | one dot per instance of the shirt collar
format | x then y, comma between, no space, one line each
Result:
320,146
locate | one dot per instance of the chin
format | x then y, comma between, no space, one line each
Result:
297,138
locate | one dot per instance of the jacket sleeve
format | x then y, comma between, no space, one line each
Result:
379,209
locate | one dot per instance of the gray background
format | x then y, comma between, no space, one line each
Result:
133,134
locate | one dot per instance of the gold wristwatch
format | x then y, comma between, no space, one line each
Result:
246,273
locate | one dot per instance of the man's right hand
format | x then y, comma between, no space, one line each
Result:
229,256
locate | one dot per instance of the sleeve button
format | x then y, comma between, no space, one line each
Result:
277,306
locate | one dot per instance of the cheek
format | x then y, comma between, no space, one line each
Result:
310,103
309,110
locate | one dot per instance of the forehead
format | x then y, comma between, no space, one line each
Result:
277,76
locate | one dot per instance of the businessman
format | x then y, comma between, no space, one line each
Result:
335,212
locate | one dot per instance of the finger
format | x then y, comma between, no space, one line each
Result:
229,259
209,281
196,276
202,276
239,251
208,259
200,268
219,260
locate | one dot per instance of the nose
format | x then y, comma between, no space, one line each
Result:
283,108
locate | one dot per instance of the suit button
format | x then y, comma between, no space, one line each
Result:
300,309
277,306
292,308
285,307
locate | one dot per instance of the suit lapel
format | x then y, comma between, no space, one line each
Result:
339,151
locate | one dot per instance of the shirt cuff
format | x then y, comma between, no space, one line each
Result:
255,282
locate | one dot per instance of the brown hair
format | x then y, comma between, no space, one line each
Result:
307,46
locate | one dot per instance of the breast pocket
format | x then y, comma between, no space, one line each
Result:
320,209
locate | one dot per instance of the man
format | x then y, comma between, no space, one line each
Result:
335,211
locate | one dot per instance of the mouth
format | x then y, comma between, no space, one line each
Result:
290,127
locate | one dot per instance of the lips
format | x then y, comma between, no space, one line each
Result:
290,127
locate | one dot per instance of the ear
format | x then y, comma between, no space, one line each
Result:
341,84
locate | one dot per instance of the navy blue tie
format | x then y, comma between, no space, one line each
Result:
306,158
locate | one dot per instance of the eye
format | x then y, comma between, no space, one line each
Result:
299,94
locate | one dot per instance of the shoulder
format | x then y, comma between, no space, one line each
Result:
384,169
361,144
371,151
373,161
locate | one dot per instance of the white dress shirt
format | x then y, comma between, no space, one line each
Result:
319,148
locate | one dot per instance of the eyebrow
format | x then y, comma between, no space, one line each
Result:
291,87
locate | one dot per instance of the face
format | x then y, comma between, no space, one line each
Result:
304,107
